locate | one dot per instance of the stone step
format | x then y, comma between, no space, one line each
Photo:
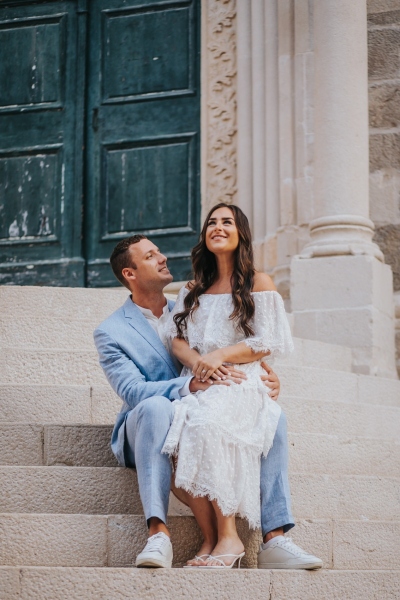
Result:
89,446
114,541
108,490
98,405
80,367
91,583
45,332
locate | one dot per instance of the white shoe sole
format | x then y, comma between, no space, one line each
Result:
153,562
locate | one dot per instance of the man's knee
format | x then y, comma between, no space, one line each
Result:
155,411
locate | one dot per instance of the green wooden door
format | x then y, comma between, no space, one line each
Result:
41,111
143,116
132,120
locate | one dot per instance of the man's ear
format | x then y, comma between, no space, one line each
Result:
129,274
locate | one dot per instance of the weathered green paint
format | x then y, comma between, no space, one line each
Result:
143,118
40,144
133,120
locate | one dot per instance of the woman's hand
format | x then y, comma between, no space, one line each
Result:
209,366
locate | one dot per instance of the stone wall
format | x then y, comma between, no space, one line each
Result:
384,120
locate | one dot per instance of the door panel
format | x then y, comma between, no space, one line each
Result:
143,130
40,200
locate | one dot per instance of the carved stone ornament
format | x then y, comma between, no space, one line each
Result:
220,182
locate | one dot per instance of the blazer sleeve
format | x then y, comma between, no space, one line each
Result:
126,379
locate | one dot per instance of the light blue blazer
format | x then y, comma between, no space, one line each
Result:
136,364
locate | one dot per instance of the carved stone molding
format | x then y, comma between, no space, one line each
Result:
219,87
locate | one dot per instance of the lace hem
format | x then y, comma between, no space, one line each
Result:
201,490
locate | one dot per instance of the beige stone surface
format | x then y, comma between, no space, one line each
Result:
388,238
335,585
384,151
384,194
69,490
340,418
318,453
345,497
105,404
46,583
21,444
78,445
383,55
378,390
384,105
63,303
321,384
45,403
53,540
41,367
313,353
43,331
377,6
96,490
366,545
9,584
89,446
388,16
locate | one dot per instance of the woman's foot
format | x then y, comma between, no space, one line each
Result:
227,545
202,555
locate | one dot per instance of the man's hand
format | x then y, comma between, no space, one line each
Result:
271,380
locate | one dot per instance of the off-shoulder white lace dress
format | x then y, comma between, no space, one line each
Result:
220,434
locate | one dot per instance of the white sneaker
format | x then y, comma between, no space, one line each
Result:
284,554
156,553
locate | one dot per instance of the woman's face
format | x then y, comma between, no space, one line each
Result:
221,233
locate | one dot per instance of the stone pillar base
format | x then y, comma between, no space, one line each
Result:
347,300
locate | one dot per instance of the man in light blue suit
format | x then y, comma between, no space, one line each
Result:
135,356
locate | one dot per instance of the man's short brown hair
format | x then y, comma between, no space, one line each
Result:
120,258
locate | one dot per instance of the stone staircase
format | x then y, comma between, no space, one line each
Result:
71,520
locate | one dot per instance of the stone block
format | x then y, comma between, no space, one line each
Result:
9,584
366,545
344,497
385,16
105,405
47,332
339,418
384,196
334,585
143,584
320,384
47,583
312,353
388,239
63,490
384,151
21,444
377,390
78,446
45,403
311,453
383,53
53,540
62,303
384,105
340,282
42,367
378,6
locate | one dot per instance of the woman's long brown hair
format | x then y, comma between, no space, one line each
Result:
206,272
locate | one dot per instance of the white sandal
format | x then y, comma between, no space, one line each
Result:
223,565
201,559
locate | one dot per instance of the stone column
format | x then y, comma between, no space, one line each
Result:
340,288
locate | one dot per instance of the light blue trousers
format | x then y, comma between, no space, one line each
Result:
147,426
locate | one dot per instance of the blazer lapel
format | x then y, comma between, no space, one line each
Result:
138,321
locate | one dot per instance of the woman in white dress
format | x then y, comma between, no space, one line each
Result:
229,315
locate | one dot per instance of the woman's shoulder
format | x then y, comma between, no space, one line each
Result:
263,283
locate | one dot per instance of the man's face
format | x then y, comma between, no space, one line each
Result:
152,271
